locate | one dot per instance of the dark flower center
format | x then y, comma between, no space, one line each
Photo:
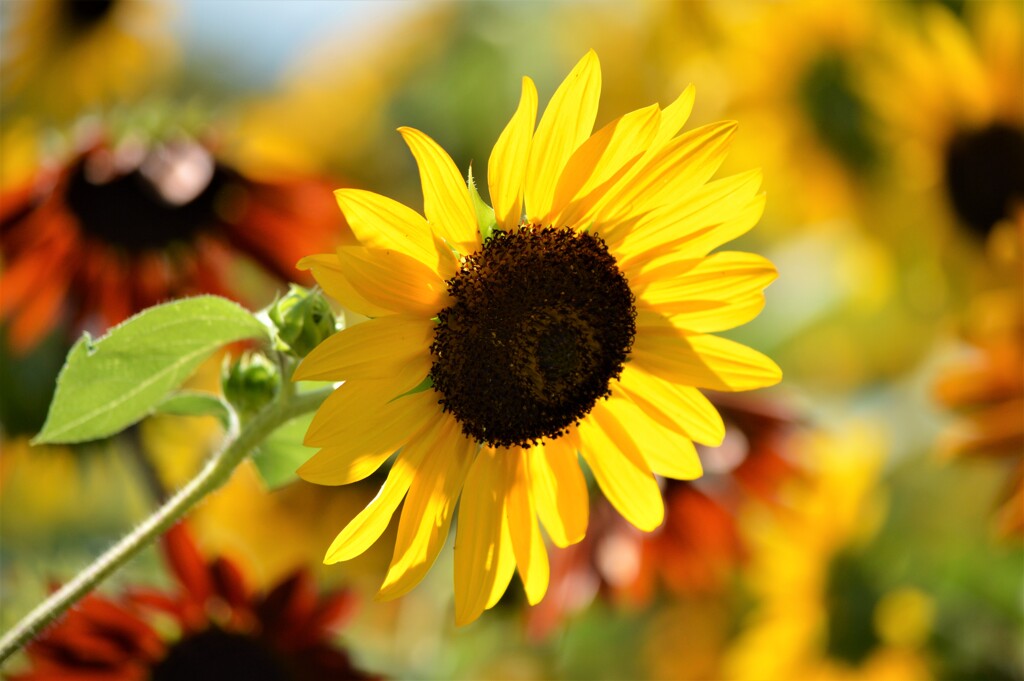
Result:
215,654
985,174
836,111
83,14
161,195
850,597
543,320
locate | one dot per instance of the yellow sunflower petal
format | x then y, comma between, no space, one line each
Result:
692,240
393,281
506,167
364,445
719,316
673,118
506,565
371,522
681,222
350,417
340,466
723,232
380,222
716,293
559,490
566,123
699,360
669,454
683,165
600,162
669,255
429,505
478,539
527,544
446,201
620,469
670,121
679,407
328,274
374,349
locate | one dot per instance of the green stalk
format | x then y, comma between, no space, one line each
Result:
238,443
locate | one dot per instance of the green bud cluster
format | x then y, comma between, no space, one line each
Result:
250,382
303,320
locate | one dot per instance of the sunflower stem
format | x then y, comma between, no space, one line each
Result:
239,441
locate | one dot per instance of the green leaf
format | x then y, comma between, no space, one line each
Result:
107,385
194,403
485,219
278,457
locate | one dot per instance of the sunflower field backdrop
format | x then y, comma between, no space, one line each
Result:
669,340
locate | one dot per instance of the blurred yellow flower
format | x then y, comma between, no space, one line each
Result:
65,56
950,100
815,616
19,150
493,357
795,85
331,108
46,487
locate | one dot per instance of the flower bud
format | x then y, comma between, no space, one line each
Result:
250,382
303,320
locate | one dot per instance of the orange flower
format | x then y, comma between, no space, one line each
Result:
986,387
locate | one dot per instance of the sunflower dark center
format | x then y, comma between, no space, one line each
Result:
163,195
836,111
985,174
215,654
83,14
542,321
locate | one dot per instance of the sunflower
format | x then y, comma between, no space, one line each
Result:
794,80
819,612
957,128
213,626
309,123
958,140
62,56
499,346
123,226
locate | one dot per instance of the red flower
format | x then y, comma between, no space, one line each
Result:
222,629
120,228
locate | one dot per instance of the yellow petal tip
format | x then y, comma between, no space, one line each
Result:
463,619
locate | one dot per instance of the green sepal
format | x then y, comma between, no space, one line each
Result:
249,382
426,384
303,320
485,219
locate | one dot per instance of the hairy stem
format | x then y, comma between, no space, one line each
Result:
238,443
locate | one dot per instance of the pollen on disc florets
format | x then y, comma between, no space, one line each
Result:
543,320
